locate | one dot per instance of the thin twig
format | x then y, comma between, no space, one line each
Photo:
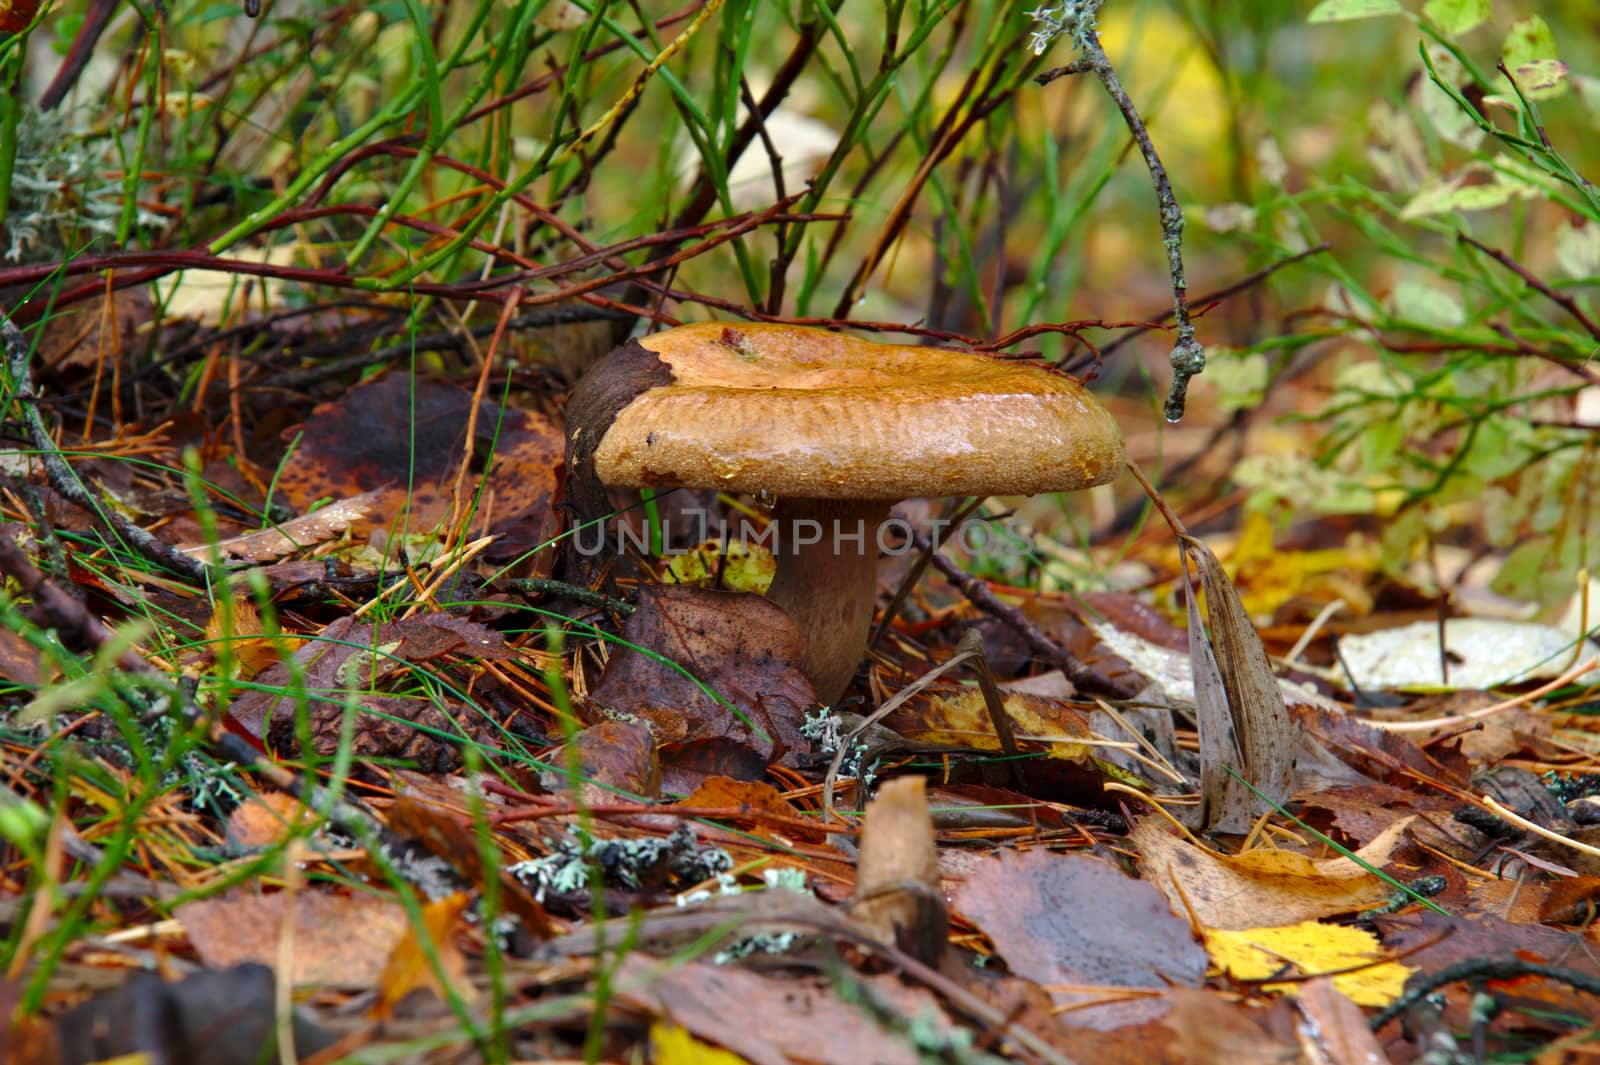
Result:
1480,969
1046,648
1188,356
1565,302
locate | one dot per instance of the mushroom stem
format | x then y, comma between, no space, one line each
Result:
827,582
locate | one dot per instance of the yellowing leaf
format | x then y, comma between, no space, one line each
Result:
962,720
745,567
1530,54
1310,948
671,1045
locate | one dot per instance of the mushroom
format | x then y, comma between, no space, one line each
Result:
839,429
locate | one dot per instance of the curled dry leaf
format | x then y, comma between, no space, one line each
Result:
898,898
1336,1030
798,1021
269,545
410,966
1244,725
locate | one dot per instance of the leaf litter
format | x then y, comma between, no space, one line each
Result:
422,804
698,696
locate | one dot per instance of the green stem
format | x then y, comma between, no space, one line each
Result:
10,112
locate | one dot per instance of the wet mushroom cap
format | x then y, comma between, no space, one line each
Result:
819,415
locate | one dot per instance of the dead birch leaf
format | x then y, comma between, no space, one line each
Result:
1352,957
1257,725
1261,887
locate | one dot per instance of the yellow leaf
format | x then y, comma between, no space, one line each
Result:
671,1045
747,567
1268,578
1310,948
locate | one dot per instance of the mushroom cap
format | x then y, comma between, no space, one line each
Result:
820,415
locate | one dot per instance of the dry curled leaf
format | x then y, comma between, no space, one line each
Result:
1244,725
898,898
308,530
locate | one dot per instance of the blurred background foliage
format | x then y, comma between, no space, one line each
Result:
1416,355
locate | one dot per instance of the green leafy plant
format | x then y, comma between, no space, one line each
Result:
1462,369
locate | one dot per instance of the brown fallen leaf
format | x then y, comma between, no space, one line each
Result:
1086,931
1212,1030
339,940
402,439
1336,1031
265,819
1260,887
759,798
351,662
616,762
899,901
739,646
449,834
777,1020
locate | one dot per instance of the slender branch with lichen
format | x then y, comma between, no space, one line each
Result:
1076,19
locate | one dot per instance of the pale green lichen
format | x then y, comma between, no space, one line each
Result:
61,202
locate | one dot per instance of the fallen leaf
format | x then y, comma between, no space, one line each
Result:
265,819
616,760
411,966
1244,725
1483,653
960,719
1336,1030
1258,887
899,901
400,440
671,1045
287,537
339,940
1211,1030
734,566
1313,949
449,834
740,647
349,664
1070,919
758,797
799,1020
